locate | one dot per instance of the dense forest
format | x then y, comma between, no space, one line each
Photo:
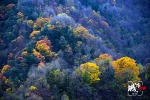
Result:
74,49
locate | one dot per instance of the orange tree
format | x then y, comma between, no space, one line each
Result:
89,72
104,57
126,70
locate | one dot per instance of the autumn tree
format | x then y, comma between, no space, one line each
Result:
89,72
39,24
126,69
5,68
81,32
43,46
34,33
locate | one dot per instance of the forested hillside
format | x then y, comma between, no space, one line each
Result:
74,49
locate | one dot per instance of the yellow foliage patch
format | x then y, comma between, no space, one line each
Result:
90,70
24,53
43,46
104,57
125,66
34,33
5,68
38,55
32,88
41,21
82,32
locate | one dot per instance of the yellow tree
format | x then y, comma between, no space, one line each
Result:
89,72
126,70
81,32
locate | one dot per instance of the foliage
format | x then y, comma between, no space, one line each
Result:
39,24
62,20
147,76
89,72
34,33
94,5
106,57
105,24
126,69
5,68
64,97
40,65
55,76
105,63
38,55
20,14
60,37
32,88
29,59
30,23
3,57
17,77
81,32
24,53
141,70
5,85
43,46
